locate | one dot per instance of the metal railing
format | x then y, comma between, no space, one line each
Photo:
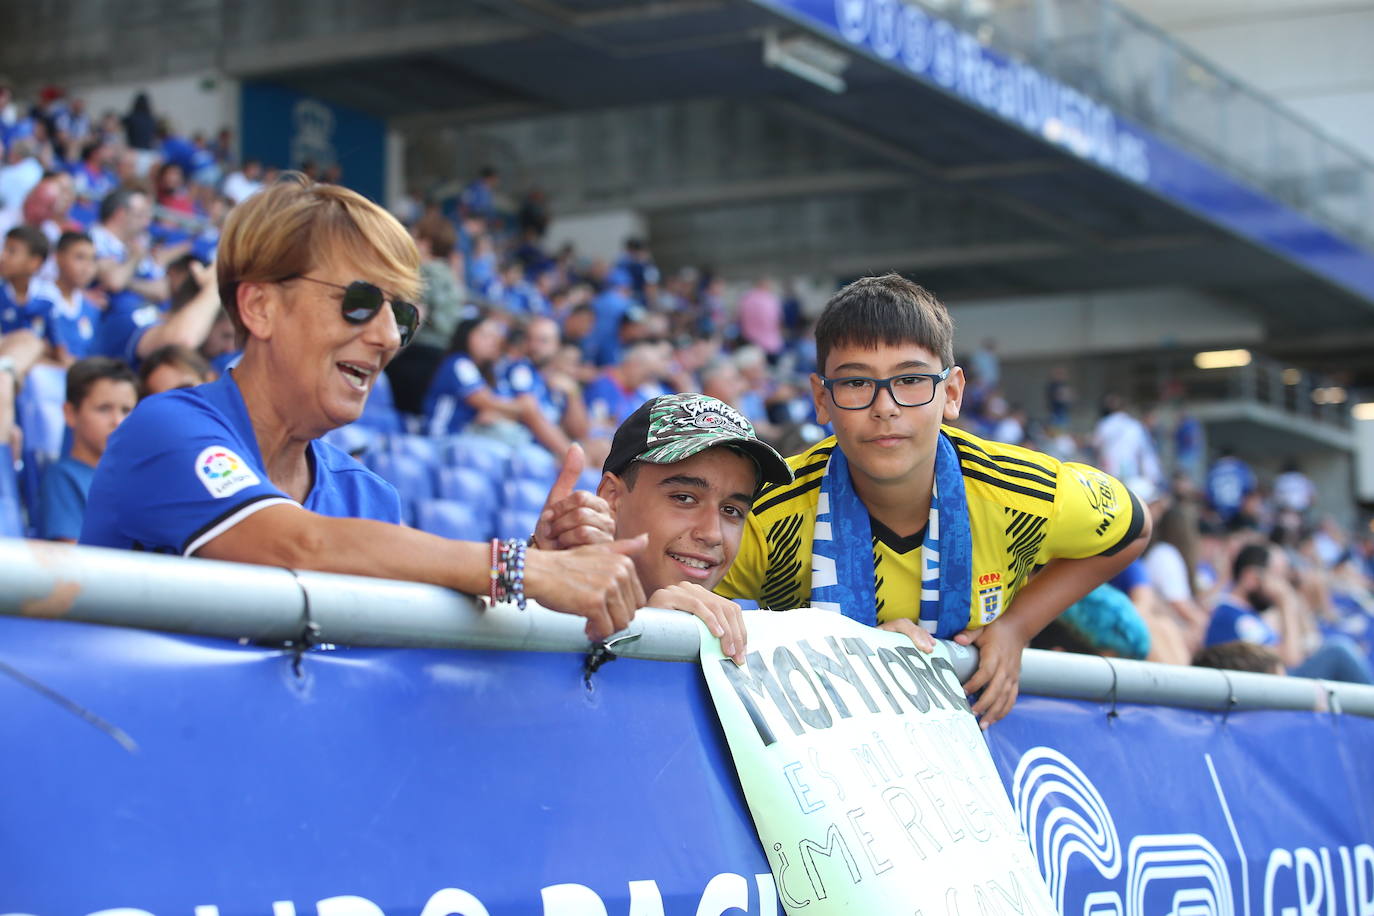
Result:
279,607
1107,51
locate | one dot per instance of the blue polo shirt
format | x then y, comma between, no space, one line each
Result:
32,313
607,401
1228,483
1233,621
62,499
122,326
73,324
185,467
446,404
521,377
109,247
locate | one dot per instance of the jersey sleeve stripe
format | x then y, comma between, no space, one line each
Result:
1132,530
1006,485
227,520
992,465
1006,459
810,468
791,492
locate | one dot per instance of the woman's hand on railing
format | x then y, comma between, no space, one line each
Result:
596,581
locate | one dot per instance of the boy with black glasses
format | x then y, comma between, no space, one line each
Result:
973,540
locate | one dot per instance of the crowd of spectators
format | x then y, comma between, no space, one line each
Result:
110,224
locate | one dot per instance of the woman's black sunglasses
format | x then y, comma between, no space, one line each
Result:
362,301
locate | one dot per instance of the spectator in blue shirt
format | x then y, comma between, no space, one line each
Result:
173,367
94,178
131,331
100,394
620,389
479,197
468,394
75,318
638,264
529,370
127,273
1259,583
319,281
25,301
1229,481
602,345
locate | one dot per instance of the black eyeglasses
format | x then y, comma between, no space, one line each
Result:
362,301
911,389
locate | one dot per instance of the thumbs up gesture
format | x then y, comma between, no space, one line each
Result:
573,518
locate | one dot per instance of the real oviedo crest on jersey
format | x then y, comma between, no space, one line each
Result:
989,597
223,472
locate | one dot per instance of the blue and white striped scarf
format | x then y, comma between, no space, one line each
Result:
842,548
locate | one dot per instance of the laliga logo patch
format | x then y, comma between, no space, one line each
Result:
224,473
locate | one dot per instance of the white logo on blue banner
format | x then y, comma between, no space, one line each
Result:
1065,817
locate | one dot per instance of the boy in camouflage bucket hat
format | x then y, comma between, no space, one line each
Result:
684,469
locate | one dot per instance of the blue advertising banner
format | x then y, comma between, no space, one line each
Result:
286,129
155,774
932,51
1143,809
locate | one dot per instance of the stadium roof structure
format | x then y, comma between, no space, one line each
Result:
999,149
1069,193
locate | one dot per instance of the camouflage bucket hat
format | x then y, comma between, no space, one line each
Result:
674,427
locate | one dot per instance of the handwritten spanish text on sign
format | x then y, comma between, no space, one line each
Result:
868,779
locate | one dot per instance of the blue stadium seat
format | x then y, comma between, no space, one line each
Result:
453,519
512,523
477,452
533,463
353,438
589,480
524,495
467,485
33,466
11,519
421,448
413,479
380,411
39,411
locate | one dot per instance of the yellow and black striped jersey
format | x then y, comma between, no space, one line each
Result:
1025,509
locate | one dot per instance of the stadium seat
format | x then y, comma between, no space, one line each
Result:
30,474
11,519
453,519
413,479
380,412
421,448
39,410
533,463
512,523
524,495
477,452
589,480
467,485
353,438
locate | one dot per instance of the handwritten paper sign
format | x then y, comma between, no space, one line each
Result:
868,779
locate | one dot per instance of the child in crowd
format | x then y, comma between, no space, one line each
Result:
171,367
903,522
74,318
25,302
100,394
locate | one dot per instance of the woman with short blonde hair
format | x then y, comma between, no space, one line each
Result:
319,283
